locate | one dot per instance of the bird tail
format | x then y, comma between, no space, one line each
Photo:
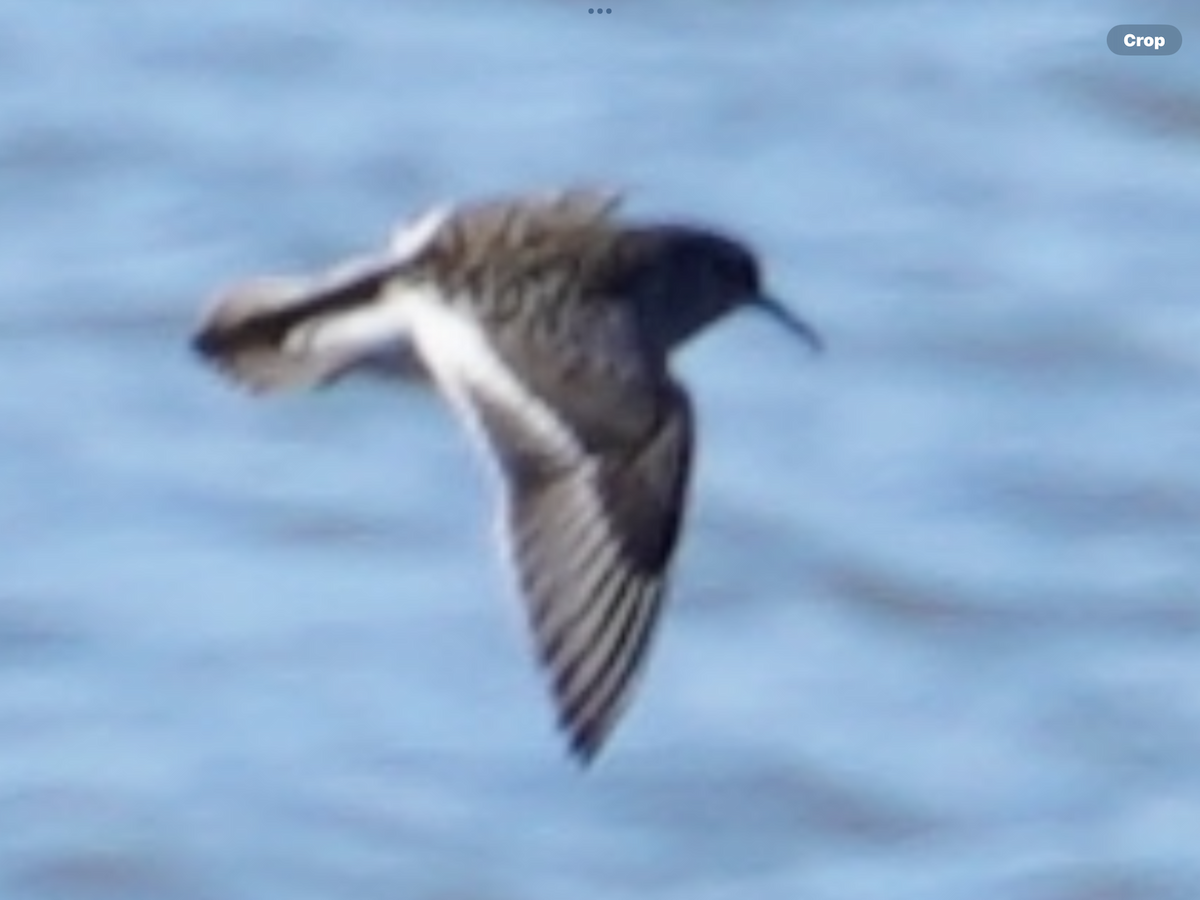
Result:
274,334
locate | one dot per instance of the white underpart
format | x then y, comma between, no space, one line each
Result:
452,345
456,350
375,326
464,365
362,332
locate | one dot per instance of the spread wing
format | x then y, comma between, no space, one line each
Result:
595,458
294,332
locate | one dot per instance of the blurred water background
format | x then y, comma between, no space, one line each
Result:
935,630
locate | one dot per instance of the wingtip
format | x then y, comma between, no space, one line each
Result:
200,344
584,746
208,342
587,736
246,331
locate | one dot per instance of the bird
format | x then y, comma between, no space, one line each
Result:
548,321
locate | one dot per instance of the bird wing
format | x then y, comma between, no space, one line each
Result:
595,460
295,332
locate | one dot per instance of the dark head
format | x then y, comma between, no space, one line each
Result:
699,276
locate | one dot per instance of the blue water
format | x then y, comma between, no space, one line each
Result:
935,630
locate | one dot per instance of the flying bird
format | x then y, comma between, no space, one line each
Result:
548,323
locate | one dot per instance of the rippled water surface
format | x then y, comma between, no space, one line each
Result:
935,630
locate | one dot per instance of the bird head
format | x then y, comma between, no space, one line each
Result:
705,276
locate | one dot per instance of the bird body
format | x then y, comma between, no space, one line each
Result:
547,323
